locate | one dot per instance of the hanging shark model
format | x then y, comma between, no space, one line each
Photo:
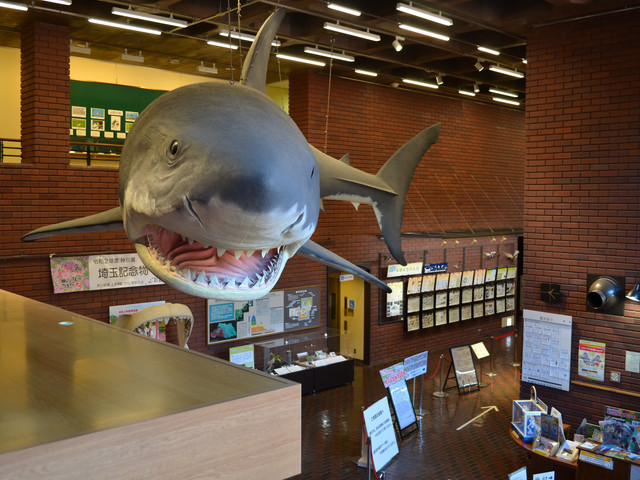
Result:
218,187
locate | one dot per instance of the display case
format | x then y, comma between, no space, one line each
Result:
525,417
312,359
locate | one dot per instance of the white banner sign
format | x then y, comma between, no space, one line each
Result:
384,446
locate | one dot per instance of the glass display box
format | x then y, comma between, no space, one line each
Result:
525,417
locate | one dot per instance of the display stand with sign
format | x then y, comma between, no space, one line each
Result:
416,366
464,370
380,434
481,353
403,411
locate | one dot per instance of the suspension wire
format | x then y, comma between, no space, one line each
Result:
230,42
508,195
474,203
511,187
326,123
430,212
489,198
454,203
416,213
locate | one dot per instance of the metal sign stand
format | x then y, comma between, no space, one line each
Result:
419,412
491,373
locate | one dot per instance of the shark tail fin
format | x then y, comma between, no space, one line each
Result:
254,70
100,222
397,172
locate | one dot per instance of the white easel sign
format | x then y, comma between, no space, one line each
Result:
380,430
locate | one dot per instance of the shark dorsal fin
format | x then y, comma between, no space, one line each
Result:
254,70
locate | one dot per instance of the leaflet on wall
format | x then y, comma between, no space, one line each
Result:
99,272
394,299
546,349
276,312
591,360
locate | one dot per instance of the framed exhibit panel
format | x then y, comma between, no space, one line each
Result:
413,303
442,281
428,301
501,289
428,319
464,366
454,315
490,275
466,312
489,291
405,415
428,283
467,278
467,295
500,305
478,310
441,299
454,297
489,307
478,278
413,322
455,279
414,285
478,293
441,317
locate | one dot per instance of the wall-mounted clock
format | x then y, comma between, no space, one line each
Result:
550,292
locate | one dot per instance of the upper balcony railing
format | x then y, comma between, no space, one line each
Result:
81,153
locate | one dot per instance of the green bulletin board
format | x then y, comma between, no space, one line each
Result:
104,113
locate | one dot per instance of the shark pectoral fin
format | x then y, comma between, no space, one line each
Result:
397,172
320,254
254,71
100,222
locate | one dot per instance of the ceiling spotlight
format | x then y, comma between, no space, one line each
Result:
367,35
347,10
419,83
125,26
418,12
132,58
324,53
366,72
439,80
422,31
524,60
300,59
396,43
14,6
503,92
490,51
479,65
395,84
230,46
148,17
506,71
204,69
476,87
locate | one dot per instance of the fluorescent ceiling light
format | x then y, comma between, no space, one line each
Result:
132,58
204,69
336,27
300,59
324,53
340,8
503,92
230,46
504,100
60,2
366,72
14,6
418,12
506,71
467,92
79,49
126,26
421,84
148,17
244,36
488,50
427,33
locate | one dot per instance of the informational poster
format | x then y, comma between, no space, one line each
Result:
393,374
591,360
546,349
414,268
632,361
416,365
402,405
394,299
242,355
379,427
480,350
99,272
276,312
463,365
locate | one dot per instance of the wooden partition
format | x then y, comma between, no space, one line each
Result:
82,399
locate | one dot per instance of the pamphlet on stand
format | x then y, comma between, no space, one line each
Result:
403,408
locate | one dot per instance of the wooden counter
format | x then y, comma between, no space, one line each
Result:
88,400
539,463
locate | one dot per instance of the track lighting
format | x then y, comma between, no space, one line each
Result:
396,43
479,65
439,80
125,26
367,35
130,13
343,9
426,33
476,87
418,12
324,53
419,83
506,71
300,59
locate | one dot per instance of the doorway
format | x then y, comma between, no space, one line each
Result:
349,299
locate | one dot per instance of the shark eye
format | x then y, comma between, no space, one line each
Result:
172,151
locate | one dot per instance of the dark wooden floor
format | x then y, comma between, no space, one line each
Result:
331,427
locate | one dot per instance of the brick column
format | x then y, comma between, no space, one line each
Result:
45,93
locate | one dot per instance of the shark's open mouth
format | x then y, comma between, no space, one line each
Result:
211,267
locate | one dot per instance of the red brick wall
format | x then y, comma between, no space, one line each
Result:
471,180
581,189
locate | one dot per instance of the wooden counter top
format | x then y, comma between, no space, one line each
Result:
72,380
